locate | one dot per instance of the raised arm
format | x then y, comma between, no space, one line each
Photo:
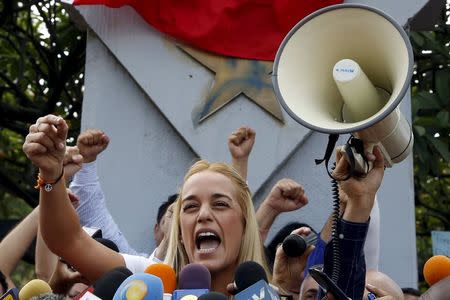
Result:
45,260
286,195
16,242
360,194
58,221
92,210
240,144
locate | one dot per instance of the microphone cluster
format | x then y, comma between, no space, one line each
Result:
158,282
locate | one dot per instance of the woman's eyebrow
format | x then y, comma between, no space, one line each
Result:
220,195
189,197
214,196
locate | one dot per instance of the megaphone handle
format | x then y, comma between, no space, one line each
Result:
360,164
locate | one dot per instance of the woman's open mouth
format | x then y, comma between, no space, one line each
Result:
207,242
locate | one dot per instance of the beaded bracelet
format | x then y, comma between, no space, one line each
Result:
48,186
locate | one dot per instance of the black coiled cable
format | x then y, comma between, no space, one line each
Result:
334,229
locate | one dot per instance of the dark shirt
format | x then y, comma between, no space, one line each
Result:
353,266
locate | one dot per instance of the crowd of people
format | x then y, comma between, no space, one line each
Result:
210,220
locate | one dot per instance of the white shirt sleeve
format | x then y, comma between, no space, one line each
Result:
137,264
153,257
93,211
372,244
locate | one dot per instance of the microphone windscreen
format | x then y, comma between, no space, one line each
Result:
106,286
436,268
167,275
294,245
194,276
247,274
140,286
49,296
213,296
123,270
34,288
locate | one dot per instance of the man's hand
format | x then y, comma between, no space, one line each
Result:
64,277
359,192
45,146
240,142
379,293
72,161
286,195
91,143
73,199
288,271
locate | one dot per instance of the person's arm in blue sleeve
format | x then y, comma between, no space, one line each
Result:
359,193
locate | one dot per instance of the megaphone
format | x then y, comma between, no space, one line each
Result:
345,69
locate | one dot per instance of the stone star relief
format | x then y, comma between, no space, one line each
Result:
234,76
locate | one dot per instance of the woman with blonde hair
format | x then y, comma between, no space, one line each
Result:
213,224
215,217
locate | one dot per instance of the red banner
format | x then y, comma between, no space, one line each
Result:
238,28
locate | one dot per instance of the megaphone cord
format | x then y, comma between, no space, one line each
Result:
332,140
334,229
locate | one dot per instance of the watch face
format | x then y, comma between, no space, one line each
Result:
371,296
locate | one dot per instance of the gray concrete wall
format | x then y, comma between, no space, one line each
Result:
139,91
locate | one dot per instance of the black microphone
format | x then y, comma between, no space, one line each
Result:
250,280
248,273
294,245
106,286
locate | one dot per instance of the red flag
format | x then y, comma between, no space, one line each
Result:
251,29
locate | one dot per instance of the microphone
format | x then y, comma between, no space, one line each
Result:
436,268
140,286
247,274
105,287
167,275
11,294
251,283
194,280
50,296
213,296
294,245
34,288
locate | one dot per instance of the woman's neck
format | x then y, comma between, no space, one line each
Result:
220,280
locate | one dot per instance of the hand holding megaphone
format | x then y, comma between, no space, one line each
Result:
353,87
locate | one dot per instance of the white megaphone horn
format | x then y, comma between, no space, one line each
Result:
345,69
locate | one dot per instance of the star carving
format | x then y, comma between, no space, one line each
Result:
234,76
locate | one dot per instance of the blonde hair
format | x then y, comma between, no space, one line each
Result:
251,247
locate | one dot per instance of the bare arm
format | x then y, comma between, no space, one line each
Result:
58,221
45,260
286,195
16,242
240,144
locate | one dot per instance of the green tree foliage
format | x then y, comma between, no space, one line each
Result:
430,111
41,72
